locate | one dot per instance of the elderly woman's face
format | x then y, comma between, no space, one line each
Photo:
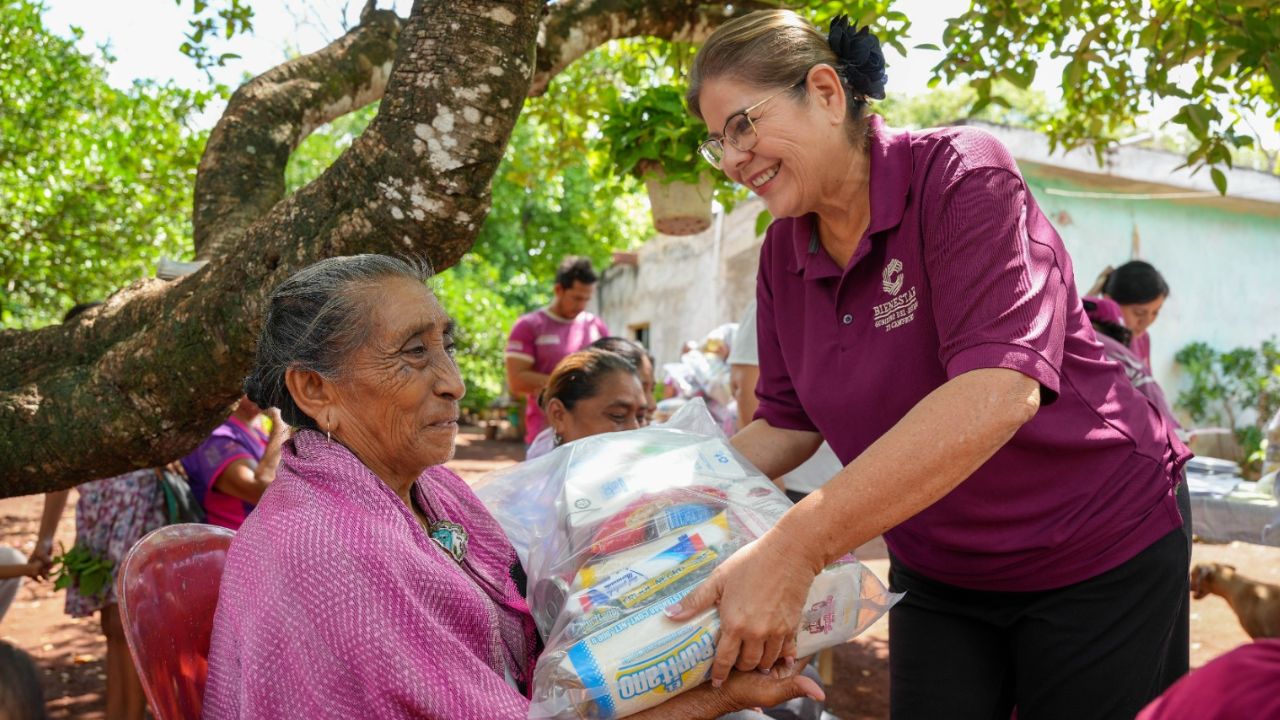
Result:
398,400
787,165
619,404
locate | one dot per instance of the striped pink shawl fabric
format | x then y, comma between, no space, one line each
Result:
335,602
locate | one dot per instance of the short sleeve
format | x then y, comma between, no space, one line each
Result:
779,403
210,459
520,343
602,327
999,295
744,350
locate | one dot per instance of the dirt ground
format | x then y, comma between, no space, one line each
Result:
69,651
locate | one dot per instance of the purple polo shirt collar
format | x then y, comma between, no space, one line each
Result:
892,170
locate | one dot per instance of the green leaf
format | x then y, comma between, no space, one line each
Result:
1223,59
1196,117
763,220
1219,180
1072,73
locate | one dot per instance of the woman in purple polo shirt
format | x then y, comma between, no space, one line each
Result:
916,309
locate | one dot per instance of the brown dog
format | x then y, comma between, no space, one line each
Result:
1257,604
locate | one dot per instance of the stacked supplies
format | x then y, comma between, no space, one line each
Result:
614,528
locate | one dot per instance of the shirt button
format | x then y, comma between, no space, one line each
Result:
847,319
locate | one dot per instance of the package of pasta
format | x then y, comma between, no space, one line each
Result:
614,528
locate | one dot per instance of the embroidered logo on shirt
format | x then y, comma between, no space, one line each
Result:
892,277
547,340
902,308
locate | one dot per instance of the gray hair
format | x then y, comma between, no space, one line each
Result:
315,320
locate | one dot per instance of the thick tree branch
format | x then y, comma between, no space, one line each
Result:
415,182
574,28
142,380
241,177
242,171
241,174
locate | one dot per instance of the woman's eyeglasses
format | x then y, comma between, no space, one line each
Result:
739,131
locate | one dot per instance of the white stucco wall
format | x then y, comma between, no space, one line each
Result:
685,286
1223,268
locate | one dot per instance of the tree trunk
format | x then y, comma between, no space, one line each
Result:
143,379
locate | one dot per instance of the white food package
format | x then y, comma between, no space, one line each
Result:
612,529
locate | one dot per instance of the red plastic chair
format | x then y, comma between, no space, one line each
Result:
168,591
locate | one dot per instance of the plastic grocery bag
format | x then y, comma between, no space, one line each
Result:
612,529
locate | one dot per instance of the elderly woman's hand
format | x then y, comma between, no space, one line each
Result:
759,689
760,590
742,690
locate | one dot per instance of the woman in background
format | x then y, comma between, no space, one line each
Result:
1140,291
1117,342
231,469
592,392
585,378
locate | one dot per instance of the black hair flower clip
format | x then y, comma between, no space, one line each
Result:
859,56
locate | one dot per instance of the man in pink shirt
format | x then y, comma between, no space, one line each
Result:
544,337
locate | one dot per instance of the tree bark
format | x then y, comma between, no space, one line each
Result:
572,29
156,368
241,174
141,380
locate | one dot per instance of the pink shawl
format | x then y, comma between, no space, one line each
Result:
336,603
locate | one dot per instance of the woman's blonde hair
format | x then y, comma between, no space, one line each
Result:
769,49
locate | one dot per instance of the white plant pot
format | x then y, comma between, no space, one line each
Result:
679,208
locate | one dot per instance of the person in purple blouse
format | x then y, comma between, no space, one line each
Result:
916,308
232,467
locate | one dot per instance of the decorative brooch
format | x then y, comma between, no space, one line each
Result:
451,536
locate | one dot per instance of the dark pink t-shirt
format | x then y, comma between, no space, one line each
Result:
960,271
544,338
1239,684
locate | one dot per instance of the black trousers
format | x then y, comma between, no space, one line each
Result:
1102,648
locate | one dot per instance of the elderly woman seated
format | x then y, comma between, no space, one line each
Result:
370,582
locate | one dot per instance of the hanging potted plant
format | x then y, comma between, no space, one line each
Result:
654,137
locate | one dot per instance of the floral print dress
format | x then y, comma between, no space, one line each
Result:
111,516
